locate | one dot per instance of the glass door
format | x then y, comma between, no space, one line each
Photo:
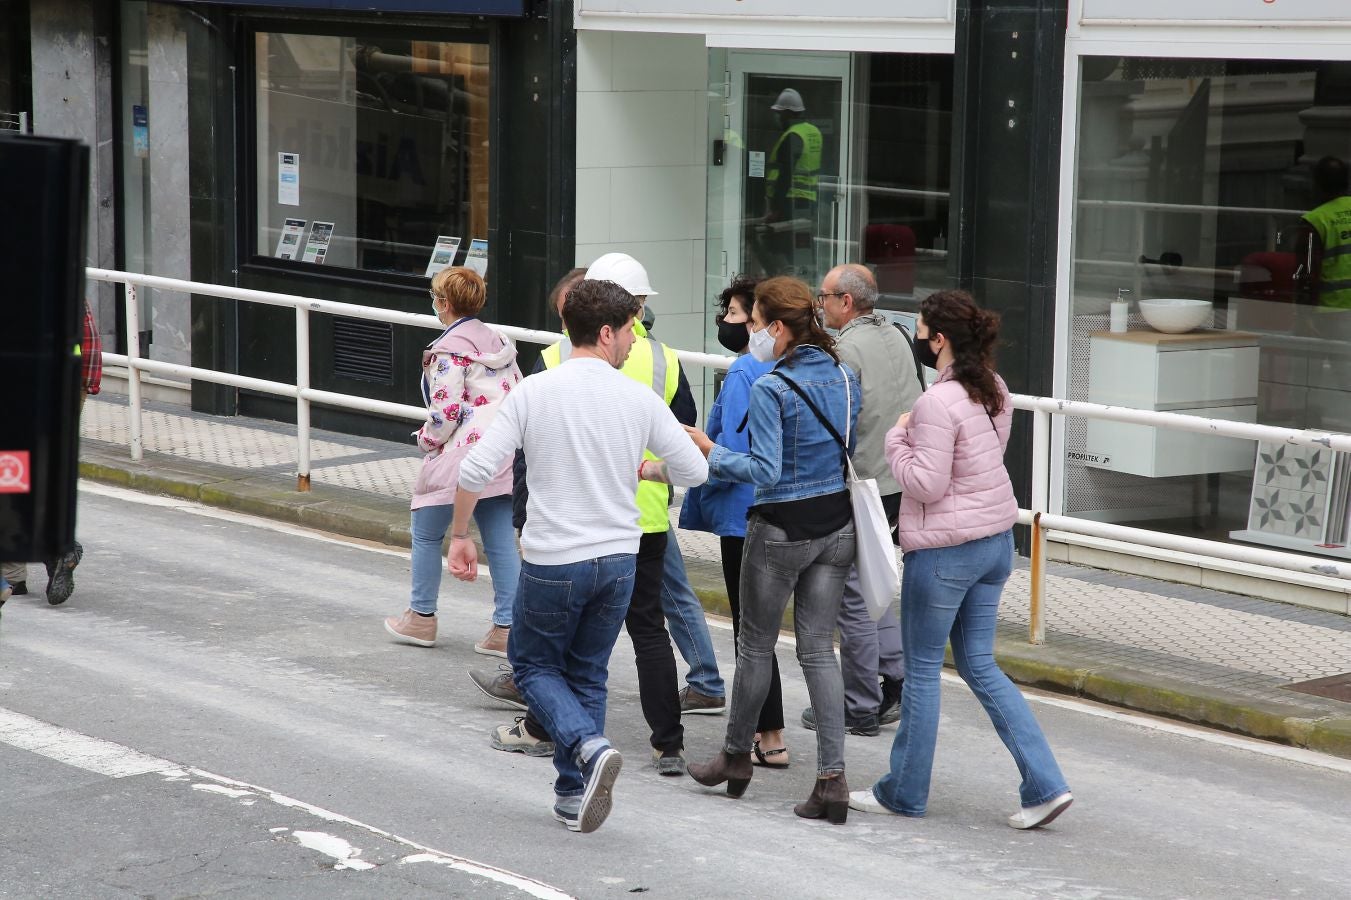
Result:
775,204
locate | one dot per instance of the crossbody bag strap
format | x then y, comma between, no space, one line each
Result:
844,446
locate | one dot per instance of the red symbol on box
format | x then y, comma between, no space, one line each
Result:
15,475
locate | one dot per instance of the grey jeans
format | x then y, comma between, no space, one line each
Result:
813,572
867,649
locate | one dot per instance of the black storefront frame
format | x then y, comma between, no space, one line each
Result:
531,221
249,28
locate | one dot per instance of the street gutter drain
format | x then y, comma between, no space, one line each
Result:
1337,687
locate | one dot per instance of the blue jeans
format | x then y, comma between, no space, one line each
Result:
493,517
953,592
567,620
689,629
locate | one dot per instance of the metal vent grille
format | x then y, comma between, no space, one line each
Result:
363,349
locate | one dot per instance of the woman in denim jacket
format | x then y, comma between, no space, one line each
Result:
957,509
721,506
799,537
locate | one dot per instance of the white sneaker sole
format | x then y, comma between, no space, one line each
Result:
1046,813
705,711
412,640
479,648
598,798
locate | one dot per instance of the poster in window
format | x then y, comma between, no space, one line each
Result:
288,178
443,254
288,245
140,131
476,257
316,248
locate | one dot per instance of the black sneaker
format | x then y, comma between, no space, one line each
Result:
863,726
890,710
61,574
19,588
600,772
568,817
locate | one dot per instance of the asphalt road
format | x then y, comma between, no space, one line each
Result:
218,711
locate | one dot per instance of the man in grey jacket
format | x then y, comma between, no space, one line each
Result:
881,358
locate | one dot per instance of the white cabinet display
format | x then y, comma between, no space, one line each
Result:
1200,373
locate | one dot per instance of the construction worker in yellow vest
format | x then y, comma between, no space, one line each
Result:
661,590
792,170
1324,274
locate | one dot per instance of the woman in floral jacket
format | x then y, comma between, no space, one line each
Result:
466,374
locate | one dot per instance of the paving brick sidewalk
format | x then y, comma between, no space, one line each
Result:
1202,655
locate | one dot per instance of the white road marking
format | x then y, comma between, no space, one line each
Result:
75,749
118,761
331,845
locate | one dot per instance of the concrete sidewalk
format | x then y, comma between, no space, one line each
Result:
1218,659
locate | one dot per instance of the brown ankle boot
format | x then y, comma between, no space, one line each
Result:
829,801
733,768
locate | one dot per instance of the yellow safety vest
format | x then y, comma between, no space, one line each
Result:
808,163
1332,221
660,370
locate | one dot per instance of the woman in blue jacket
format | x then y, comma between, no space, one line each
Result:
721,506
800,535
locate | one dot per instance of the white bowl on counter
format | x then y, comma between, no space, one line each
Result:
1178,315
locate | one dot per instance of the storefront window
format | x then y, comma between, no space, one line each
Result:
829,158
371,154
1211,199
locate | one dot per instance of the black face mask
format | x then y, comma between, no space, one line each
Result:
734,335
925,353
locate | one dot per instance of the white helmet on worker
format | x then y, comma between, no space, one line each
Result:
789,101
624,271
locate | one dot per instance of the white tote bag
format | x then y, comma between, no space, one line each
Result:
878,576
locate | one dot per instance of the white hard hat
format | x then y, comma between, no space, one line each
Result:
624,271
789,100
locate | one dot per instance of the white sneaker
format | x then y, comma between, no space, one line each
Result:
864,801
1042,814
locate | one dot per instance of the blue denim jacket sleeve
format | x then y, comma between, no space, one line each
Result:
761,462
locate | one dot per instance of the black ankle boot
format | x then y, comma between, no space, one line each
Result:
829,801
733,768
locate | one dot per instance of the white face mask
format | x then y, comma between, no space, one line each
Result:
761,345
436,312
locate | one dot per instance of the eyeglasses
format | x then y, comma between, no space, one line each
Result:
821,297
434,295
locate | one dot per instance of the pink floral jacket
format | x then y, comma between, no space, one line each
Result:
466,374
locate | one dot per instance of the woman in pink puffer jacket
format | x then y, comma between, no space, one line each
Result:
957,512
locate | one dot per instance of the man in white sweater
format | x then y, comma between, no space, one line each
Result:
583,427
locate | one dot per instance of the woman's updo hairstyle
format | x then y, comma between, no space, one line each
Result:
790,301
973,333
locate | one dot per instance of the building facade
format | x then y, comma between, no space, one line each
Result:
1051,156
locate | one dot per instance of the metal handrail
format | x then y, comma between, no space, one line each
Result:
1041,408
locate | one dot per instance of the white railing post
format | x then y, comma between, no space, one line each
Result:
133,318
302,402
1040,500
